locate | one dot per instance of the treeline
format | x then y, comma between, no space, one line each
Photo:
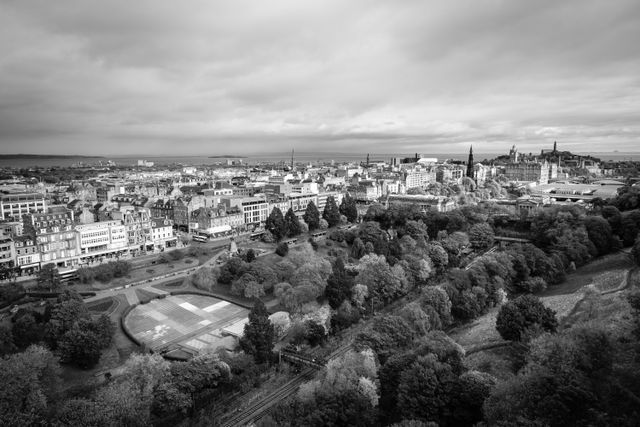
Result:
104,272
65,327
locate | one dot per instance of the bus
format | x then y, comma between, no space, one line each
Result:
290,242
318,235
256,236
200,238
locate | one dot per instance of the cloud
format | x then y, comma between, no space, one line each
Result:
129,77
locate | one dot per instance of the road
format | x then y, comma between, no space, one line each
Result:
129,291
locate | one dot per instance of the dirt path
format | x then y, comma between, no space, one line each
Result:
565,299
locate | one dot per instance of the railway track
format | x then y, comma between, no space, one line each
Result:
261,408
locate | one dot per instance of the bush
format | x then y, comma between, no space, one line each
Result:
282,249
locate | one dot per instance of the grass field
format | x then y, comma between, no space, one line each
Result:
189,322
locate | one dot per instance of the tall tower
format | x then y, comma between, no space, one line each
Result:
470,163
555,147
292,159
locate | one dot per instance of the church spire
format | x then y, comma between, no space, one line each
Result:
470,163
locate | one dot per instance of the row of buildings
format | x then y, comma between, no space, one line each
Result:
55,235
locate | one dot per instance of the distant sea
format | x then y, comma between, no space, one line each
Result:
311,157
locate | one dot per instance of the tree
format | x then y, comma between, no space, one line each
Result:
282,249
426,389
49,278
205,278
315,333
523,315
80,346
481,236
68,309
292,224
250,255
259,334
348,208
312,216
600,234
357,249
275,224
253,289
331,213
384,286
7,345
339,285
635,252
30,382
387,335
27,330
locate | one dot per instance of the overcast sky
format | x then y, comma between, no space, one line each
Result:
236,77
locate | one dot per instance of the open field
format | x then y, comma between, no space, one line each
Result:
188,322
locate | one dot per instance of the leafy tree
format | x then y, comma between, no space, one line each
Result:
275,224
331,213
348,208
339,285
80,346
11,292
357,249
30,382
315,333
254,289
259,334
533,284
231,270
250,256
518,317
27,330
49,278
282,249
436,303
600,234
635,252
312,216
425,390
292,224
68,309
205,278
417,318
6,340
387,335
481,236
384,286
471,390
239,285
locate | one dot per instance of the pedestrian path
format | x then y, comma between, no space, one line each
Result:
132,297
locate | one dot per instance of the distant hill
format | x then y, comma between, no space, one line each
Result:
227,157
44,156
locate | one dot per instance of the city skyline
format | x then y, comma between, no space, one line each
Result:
207,78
